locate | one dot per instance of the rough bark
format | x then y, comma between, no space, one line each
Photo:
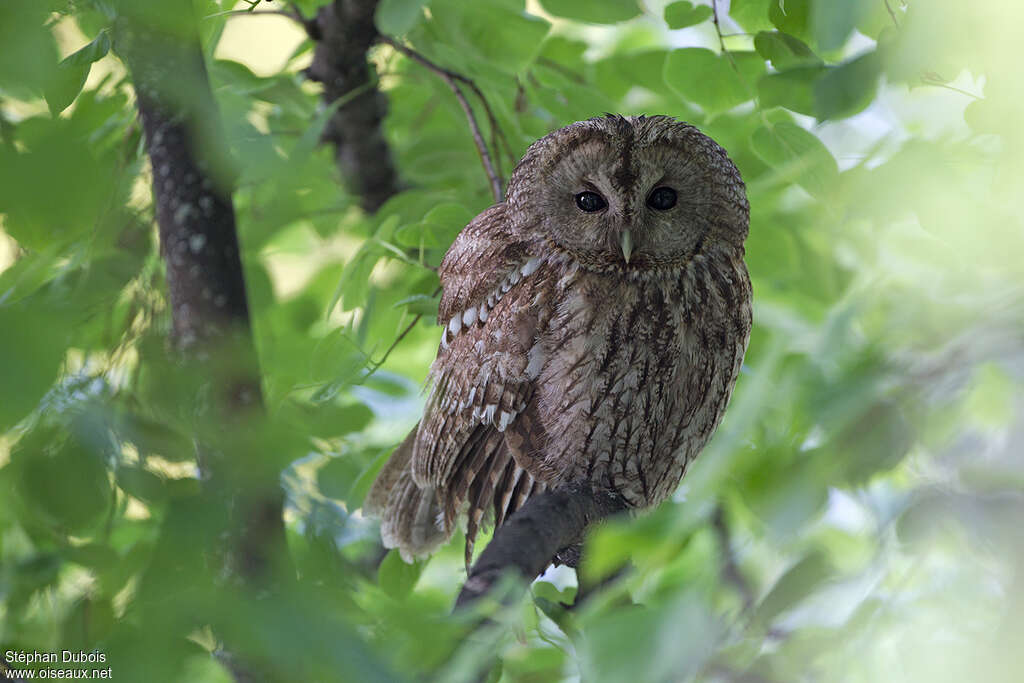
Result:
344,31
532,538
192,186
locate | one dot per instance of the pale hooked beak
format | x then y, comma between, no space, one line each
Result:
627,245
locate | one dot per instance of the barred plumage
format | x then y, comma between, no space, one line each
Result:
580,343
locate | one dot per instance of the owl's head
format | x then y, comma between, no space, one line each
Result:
630,193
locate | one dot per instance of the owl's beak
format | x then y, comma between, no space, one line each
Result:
627,245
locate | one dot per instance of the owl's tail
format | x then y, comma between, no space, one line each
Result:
410,516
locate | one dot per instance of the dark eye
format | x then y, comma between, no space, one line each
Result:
662,199
590,202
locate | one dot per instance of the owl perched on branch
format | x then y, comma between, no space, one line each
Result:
595,323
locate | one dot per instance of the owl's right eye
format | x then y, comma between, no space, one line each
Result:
590,202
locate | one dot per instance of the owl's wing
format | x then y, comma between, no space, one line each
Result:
483,376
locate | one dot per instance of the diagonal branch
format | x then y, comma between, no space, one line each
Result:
530,539
344,31
452,79
730,568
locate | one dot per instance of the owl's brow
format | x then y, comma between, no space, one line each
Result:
578,140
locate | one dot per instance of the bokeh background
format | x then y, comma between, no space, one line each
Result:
858,515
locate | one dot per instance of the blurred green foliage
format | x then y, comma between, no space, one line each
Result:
867,482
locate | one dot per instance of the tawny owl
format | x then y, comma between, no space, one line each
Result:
595,323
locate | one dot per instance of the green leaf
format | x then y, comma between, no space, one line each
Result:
714,82
354,283
28,274
72,73
877,440
94,556
783,50
792,17
751,15
396,577
32,347
55,155
236,76
990,399
848,88
362,483
604,12
337,476
438,228
504,40
140,483
152,437
833,22
62,481
665,641
93,52
419,304
29,49
328,420
798,155
792,89
618,74
65,85
397,17
798,582
682,14
32,574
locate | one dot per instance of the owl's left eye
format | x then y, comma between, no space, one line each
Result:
662,199
590,202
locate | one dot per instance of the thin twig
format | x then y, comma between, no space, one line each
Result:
718,28
250,13
730,569
452,79
375,365
937,81
892,14
565,71
485,156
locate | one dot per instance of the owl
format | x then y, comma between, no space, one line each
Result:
594,326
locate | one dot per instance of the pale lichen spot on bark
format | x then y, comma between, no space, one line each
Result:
196,242
181,216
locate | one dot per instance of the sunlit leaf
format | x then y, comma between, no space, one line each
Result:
72,73
396,17
683,13
607,12
792,89
397,577
847,88
712,81
62,480
783,50
797,154
792,17
834,21
32,347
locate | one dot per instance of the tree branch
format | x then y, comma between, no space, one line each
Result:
344,31
892,14
529,540
193,179
730,569
452,79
